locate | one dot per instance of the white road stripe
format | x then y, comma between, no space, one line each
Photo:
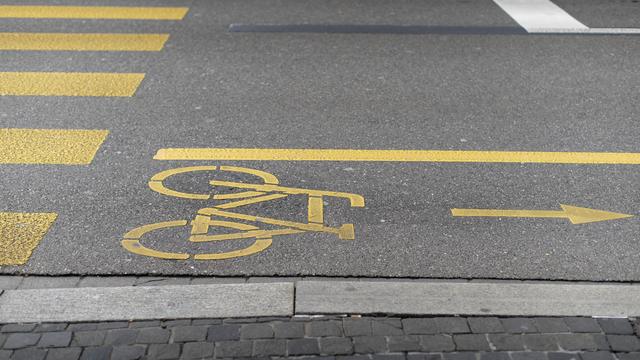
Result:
590,31
540,16
630,31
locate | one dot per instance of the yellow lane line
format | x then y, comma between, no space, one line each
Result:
20,233
399,156
82,42
49,146
68,84
93,12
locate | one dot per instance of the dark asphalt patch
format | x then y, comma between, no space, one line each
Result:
379,29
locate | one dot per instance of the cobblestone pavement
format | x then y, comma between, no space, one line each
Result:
433,338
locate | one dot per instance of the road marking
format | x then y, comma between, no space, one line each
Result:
69,84
93,12
210,217
540,15
49,146
20,233
423,29
82,42
577,215
456,156
613,31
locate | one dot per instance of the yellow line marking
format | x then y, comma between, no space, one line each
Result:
49,146
258,246
241,195
355,199
93,12
201,224
577,215
455,156
315,209
254,200
20,233
344,232
156,182
68,84
82,42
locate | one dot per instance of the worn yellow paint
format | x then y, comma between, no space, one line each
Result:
156,183
135,247
49,146
82,42
258,246
93,12
240,195
132,243
354,199
455,156
20,233
315,209
253,200
265,176
68,84
201,224
577,215
209,217
244,235
344,232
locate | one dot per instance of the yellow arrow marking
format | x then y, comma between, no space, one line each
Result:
577,215
455,156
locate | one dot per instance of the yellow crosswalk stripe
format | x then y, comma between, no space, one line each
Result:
20,233
93,12
82,42
68,84
49,146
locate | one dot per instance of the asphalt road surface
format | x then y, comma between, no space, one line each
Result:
472,79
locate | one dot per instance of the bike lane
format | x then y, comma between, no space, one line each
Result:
216,90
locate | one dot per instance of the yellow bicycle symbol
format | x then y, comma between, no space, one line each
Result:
219,216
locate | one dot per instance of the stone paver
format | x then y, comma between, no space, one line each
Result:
69,353
428,338
20,340
55,339
270,347
197,350
153,335
189,333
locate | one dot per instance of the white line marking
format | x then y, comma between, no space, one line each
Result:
613,31
589,31
541,16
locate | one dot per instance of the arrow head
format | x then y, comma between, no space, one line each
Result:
579,215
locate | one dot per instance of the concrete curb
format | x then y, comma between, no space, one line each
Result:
310,297
442,298
140,303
